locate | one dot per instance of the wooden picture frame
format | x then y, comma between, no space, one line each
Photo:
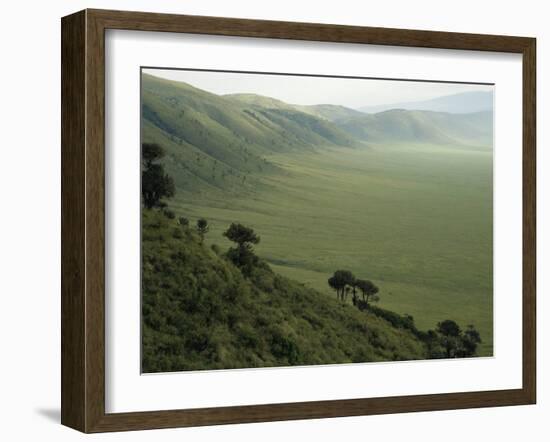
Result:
83,220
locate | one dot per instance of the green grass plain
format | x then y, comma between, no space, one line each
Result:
415,219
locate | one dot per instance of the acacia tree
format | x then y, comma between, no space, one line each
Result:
202,228
339,281
242,235
243,255
155,183
368,289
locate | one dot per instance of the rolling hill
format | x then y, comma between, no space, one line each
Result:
399,125
216,142
224,143
461,103
330,112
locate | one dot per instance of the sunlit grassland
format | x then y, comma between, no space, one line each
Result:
415,219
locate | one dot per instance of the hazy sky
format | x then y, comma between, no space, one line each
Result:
352,93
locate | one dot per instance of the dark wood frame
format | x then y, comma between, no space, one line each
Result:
83,216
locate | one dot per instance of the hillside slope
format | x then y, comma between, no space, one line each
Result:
398,125
219,142
330,112
199,312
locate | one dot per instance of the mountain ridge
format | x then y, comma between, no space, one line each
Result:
224,142
460,103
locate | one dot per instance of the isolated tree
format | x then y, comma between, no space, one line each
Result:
368,289
184,222
155,183
202,228
151,152
242,235
243,255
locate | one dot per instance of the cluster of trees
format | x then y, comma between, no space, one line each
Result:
344,283
448,340
454,342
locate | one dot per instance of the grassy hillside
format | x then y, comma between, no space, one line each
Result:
199,312
330,112
216,142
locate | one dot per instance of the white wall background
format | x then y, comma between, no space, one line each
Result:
30,217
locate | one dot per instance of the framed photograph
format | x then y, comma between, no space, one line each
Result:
267,221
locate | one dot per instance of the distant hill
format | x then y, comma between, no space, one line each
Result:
462,103
224,143
200,312
475,129
330,112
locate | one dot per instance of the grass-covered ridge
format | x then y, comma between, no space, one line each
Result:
200,312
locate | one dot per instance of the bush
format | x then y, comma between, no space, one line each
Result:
284,347
169,214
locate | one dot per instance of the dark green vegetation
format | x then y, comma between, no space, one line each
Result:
201,312
413,215
204,309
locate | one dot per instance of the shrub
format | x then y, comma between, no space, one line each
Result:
169,213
